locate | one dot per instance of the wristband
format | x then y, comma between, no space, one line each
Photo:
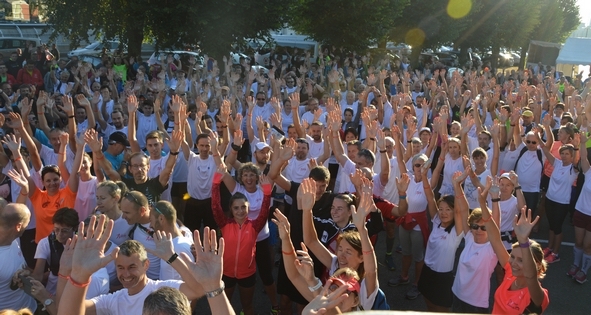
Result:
366,252
172,258
288,253
226,126
496,199
576,149
17,159
518,187
372,139
62,276
524,245
175,153
316,287
71,116
483,220
383,151
408,141
216,292
236,147
77,284
402,196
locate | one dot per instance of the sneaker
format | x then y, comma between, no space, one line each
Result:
552,258
413,293
390,262
547,251
581,277
398,281
399,249
572,271
275,310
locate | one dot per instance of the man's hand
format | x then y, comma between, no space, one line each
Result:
13,143
288,150
207,268
92,139
14,121
67,105
20,179
132,104
164,248
306,194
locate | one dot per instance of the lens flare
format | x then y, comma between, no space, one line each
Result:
415,37
458,9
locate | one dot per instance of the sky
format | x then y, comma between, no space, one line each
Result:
585,10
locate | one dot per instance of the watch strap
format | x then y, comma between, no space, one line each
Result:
216,292
172,258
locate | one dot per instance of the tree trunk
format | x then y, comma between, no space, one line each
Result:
495,57
523,53
135,37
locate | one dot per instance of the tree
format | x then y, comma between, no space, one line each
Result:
427,24
351,24
212,25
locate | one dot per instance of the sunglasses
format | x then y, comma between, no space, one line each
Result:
531,142
475,227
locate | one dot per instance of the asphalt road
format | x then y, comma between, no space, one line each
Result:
566,295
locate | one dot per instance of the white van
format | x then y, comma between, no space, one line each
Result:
301,42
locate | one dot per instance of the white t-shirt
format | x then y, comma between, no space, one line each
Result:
255,201
109,105
156,167
120,232
180,244
17,299
476,264
297,170
145,125
15,190
86,197
121,303
286,120
441,247
111,269
471,190
344,172
99,284
180,173
507,160
200,178
50,157
391,190
450,167
309,118
584,202
365,300
529,170
508,210
416,198
561,182
316,148
43,251
141,236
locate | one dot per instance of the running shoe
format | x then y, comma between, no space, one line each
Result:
398,281
552,258
547,251
572,271
390,262
581,277
413,293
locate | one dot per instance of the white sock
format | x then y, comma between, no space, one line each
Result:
586,263
578,253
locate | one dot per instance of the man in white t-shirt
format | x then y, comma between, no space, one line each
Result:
163,218
154,145
202,167
14,218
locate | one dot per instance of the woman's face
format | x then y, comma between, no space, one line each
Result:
249,179
455,129
349,137
479,161
416,147
453,149
52,181
348,116
340,212
446,213
350,303
287,107
86,165
62,232
516,261
239,210
563,136
480,236
348,256
104,200
566,156
506,186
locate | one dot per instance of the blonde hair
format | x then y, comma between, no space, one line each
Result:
538,254
22,311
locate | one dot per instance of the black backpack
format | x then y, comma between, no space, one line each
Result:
522,152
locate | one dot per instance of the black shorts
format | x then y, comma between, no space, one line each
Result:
247,282
178,189
436,286
286,287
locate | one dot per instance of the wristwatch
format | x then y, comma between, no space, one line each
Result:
46,303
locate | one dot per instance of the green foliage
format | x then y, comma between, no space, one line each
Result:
352,24
213,25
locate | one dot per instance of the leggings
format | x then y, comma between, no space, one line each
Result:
556,213
264,262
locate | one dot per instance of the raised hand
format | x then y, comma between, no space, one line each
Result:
207,268
92,139
164,248
326,300
82,100
12,142
20,179
522,225
304,263
402,183
357,178
67,105
89,249
14,121
282,224
288,150
307,194
132,104
459,177
175,141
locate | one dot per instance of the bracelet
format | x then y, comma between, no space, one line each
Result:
226,126
176,123
62,276
288,253
174,153
100,157
366,252
216,292
483,220
77,284
496,199
236,147
372,139
40,113
316,287
71,116
518,187
576,149
24,194
60,153
172,258
524,245
383,151
216,155
441,159
402,196
512,125
17,159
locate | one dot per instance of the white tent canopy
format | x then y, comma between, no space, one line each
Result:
576,51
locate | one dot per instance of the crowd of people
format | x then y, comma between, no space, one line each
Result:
111,175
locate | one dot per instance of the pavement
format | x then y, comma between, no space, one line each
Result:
566,295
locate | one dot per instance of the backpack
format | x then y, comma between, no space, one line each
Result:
522,152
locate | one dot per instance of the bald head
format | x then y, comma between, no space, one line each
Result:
14,218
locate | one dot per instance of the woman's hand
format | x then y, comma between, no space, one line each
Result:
325,301
20,179
305,265
282,224
522,225
307,194
402,183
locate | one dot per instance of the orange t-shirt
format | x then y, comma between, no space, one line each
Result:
555,150
511,302
45,207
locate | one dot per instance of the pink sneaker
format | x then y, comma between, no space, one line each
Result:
547,251
572,271
581,277
552,258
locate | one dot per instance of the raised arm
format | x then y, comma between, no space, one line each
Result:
295,108
398,146
461,208
370,265
284,155
494,234
174,144
583,152
132,106
16,122
306,201
68,108
216,201
91,138
19,178
385,161
61,157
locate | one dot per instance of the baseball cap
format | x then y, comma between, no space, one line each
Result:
118,137
261,145
425,129
505,175
527,113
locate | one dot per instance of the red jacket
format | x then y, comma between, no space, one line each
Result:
35,78
240,250
410,220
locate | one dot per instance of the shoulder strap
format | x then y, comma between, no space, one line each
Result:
132,231
523,150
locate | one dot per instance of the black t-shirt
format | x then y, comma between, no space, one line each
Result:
152,188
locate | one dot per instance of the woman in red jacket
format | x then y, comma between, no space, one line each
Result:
240,234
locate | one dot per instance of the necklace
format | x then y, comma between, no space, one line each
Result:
516,286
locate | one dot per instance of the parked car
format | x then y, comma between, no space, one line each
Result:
181,55
93,60
96,49
448,58
9,45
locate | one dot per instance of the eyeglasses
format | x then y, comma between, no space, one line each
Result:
62,230
475,227
531,142
418,165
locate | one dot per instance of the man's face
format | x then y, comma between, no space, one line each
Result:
301,151
131,271
312,106
155,221
352,151
29,67
320,188
33,120
483,141
139,168
362,161
80,114
154,147
260,101
290,82
527,120
54,138
7,89
64,77
316,132
148,110
531,142
3,70
263,156
26,91
117,119
129,211
203,147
